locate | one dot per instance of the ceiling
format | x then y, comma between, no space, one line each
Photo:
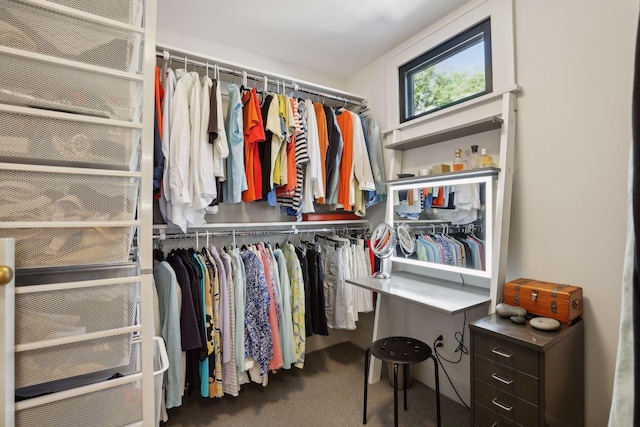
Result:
337,37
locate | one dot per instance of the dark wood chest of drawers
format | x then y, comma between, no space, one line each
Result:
521,376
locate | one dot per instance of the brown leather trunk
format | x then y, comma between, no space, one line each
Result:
558,301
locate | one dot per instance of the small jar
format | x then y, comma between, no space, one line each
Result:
485,159
457,160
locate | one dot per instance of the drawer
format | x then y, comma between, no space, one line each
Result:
45,312
507,379
47,32
125,11
29,195
96,401
485,417
56,362
38,139
506,353
52,86
505,404
70,246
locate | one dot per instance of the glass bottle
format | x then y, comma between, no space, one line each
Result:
473,158
485,159
457,161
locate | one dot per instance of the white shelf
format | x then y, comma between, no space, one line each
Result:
483,125
472,173
440,295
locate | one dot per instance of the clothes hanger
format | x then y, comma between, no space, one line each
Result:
244,81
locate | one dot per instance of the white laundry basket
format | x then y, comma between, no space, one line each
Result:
114,402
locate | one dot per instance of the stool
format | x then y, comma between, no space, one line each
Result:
399,351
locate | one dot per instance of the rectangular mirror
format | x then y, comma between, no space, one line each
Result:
449,219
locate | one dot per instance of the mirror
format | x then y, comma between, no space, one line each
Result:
406,239
383,244
445,222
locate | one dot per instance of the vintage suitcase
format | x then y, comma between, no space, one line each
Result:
560,302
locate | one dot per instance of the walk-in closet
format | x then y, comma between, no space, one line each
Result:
219,213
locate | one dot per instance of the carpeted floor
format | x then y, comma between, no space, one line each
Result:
327,392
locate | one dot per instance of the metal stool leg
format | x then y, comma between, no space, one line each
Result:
367,357
435,365
405,374
395,394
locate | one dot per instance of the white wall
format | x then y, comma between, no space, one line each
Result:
574,62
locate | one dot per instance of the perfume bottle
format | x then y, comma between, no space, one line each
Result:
457,160
473,160
484,159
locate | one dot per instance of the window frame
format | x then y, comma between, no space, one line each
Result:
432,56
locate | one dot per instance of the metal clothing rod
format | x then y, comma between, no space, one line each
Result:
446,227
280,81
232,233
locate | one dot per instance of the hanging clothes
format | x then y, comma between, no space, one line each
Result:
374,147
253,135
323,138
236,180
298,309
258,333
334,156
166,284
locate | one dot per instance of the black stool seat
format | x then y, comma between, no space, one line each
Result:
399,351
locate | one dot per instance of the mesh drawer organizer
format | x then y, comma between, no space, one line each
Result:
41,137
114,402
74,74
67,216
70,329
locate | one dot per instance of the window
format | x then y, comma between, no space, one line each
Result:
452,72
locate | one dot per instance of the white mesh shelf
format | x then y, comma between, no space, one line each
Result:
70,309
54,362
58,35
31,195
125,11
69,246
40,137
33,80
115,402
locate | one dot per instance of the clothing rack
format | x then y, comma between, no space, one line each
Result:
236,70
161,235
446,227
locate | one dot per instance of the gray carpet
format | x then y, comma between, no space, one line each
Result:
327,392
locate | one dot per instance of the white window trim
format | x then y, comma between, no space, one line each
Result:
502,48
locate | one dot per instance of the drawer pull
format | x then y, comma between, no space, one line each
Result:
497,377
501,405
501,353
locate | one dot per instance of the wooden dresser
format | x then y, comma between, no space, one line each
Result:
521,376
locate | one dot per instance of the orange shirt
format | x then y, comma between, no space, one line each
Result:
346,163
253,134
321,118
159,95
